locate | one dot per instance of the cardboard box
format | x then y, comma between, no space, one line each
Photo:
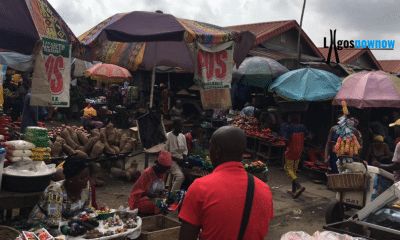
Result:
159,227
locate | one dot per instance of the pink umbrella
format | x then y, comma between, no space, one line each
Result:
369,89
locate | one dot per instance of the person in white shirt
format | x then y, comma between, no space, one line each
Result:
176,145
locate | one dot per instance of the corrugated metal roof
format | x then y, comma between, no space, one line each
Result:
268,30
392,66
278,55
349,55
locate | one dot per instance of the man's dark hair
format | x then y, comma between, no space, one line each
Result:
177,122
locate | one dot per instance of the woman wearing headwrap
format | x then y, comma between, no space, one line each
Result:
150,186
64,198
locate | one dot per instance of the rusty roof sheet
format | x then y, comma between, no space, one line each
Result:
349,55
278,55
268,30
392,66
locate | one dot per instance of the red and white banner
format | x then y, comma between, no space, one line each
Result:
213,66
52,74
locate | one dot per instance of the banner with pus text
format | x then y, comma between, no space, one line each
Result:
214,66
52,74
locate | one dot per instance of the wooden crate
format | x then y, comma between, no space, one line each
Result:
159,227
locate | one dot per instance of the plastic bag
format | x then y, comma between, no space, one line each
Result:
326,235
19,145
19,153
296,236
18,159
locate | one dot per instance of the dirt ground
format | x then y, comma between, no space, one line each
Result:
311,203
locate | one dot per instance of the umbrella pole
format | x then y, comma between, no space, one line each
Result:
169,88
153,78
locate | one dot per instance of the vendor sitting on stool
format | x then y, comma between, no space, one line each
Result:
176,145
150,186
64,198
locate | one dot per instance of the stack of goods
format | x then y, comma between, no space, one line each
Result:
266,135
89,111
347,143
18,150
75,140
40,138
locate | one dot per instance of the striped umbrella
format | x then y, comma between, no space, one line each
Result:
109,73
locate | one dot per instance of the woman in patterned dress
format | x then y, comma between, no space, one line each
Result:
64,198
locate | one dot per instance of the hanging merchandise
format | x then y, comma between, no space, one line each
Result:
213,66
347,143
3,71
52,74
132,94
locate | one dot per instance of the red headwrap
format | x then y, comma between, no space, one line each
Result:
165,159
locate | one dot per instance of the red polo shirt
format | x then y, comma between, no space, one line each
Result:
215,203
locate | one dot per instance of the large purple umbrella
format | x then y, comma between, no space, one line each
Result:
169,39
23,22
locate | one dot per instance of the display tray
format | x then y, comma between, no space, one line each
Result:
360,229
131,233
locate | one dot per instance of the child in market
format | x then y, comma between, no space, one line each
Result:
295,135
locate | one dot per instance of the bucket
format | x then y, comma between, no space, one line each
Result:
2,156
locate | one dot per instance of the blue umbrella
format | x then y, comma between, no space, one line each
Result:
258,71
307,84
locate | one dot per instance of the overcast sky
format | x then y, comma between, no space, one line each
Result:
354,20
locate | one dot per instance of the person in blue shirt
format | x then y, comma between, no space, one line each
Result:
30,114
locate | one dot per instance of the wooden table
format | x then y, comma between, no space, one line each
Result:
253,148
16,200
268,156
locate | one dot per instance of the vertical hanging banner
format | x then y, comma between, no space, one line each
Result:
214,66
52,74
213,74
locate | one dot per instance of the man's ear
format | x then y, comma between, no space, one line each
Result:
219,153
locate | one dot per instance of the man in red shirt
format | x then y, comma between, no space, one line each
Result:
214,204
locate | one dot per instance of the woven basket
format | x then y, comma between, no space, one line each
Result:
8,232
348,181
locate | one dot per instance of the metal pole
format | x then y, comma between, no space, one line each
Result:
298,40
153,77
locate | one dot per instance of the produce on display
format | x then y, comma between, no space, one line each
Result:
30,168
249,125
76,140
255,167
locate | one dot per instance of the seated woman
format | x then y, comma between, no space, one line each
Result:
379,151
64,198
150,186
